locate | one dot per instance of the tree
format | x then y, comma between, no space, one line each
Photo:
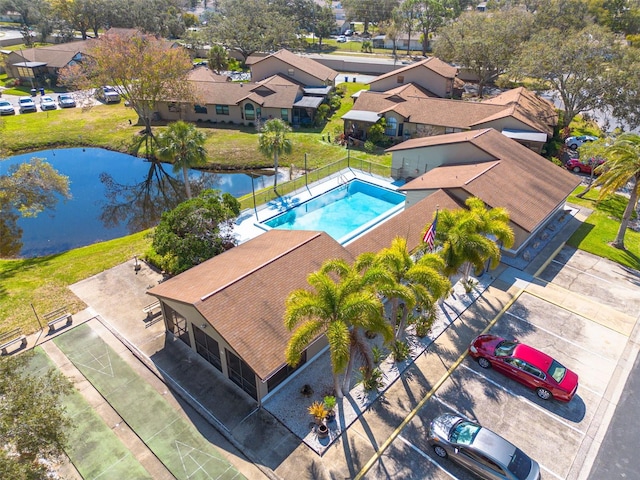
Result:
464,237
416,283
342,301
572,63
323,23
183,144
26,190
621,167
564,15
218,58
369,11
143,68
621,93
432,14
195,231
33,422
484,44
273,142
406,14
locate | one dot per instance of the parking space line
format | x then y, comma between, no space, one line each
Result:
525,399
524,320
376,456
566,265
550,472
424,455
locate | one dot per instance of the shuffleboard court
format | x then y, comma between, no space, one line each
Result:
171,437
94,449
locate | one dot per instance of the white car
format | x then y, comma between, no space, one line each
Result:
47,103
6,108
575,142
108,94
341,39
26,104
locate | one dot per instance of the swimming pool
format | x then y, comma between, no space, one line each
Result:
344,212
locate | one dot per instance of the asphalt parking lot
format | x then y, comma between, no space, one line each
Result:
584,319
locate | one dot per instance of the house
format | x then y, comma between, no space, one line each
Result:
402,42
302,70
217,100
230,309
431,74
415,112
488,165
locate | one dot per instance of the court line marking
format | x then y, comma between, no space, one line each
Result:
525,399
427,457
378,453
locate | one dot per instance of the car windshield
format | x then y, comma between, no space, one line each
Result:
464,433
557,371
520,464
505,348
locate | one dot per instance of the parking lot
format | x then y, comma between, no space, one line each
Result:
583,319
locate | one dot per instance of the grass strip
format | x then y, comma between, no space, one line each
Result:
174,440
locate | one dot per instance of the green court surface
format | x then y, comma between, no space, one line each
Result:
94,449
172,438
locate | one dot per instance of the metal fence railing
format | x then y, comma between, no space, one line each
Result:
264,196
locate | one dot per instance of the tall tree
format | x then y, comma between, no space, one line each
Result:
195,231
431,15
369,11
486,45
469,238
342,301
416,283
564,15
218,58
621,168
324,22
183,144
26,190
33,422
574,64
621,93
406,14
273,142
143,68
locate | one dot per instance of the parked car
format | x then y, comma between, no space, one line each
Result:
108,94
47,103
583,166
526,365
26,104
66,100
575,142
348,33
6,108
479,450
341,39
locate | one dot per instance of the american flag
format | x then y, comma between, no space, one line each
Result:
430,235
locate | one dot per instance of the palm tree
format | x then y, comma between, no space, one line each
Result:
341,303
470,237
416,283
273,141
218,58
183,144
621,167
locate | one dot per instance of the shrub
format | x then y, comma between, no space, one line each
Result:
377,354
371,381
317,411
369,146
400,350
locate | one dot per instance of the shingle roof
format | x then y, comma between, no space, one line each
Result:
527,185
271,95
305,64
242,292
432,63
57,56
409,223
203,74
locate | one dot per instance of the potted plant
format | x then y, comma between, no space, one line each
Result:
329,403
318,412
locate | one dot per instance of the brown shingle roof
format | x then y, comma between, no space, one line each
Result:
203,74
305,64
57,56
527,185
432,63
409,223
242,292
210,92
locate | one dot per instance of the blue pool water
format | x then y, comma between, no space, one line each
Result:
344,212
113,195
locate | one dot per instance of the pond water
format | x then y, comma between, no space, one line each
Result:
114,194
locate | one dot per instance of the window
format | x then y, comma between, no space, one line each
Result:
200,109
249,112
392,127
400,79
207,347
451,130
222,109
284,114
174,107
282,374
241,374
536,372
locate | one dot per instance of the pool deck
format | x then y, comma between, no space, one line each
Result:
247,224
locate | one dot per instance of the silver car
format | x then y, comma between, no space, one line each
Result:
480,450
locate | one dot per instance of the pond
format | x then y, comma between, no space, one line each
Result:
114,195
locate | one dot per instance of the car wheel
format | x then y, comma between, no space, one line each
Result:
441,452
543,393
573,146
576,169
484,363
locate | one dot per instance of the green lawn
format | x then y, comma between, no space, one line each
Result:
600,229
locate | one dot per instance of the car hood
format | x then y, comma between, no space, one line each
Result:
442,425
